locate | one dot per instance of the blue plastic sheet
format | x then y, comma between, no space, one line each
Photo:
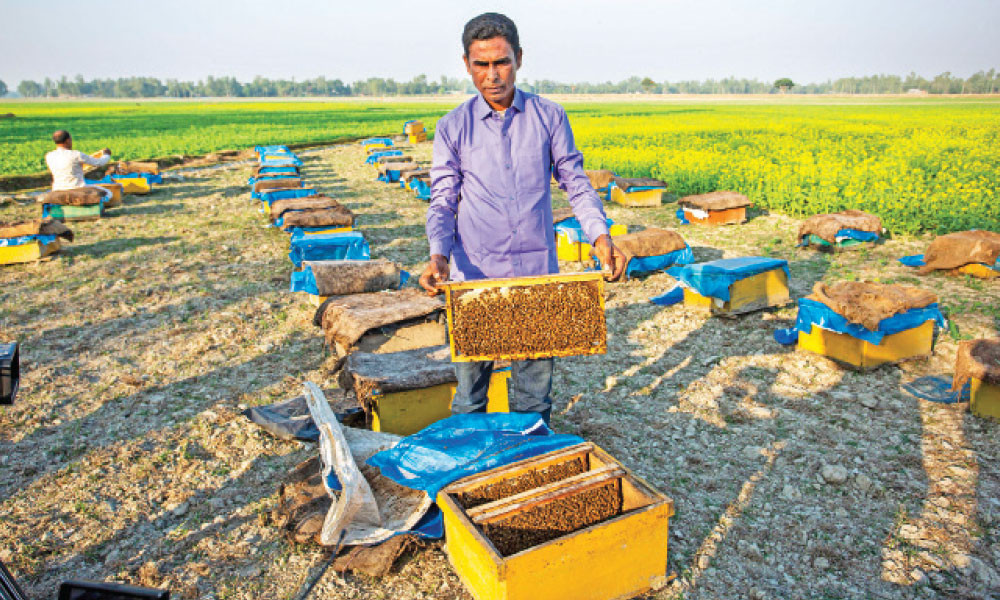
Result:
650,264
305,281
47,208
914,260
280,161
812,312
712,279
374,156
639,188
377,140
674,296
573,230
149,177
27,239
267,197
269,149
848,234
422,188
680,217
937,389
328,246
463,445
390,176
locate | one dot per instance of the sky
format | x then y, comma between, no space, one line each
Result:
563,40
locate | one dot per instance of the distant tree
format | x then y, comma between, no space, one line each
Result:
784,84
30,89
648,85
3,88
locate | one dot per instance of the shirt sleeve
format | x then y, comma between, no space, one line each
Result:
567,163
94,162
446,182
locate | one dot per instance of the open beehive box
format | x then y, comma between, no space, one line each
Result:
568,524
526,317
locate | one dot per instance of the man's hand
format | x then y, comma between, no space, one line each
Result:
610,256
435,273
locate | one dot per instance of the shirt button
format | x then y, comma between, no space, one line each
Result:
507,165
515,230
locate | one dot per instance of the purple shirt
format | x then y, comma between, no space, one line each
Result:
500,168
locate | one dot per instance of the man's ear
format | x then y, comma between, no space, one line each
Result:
519,53
468,67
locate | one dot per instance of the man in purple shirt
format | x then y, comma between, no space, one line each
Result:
491,208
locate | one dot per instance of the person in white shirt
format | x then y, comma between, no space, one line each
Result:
66,164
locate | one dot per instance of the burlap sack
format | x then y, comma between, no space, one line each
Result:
85,196
961,248
826,227
626,182
866,303
599,179
979,359
328,217
389,159
715,201
343,277
46,226
648,242
319,201
345,319
274,184
397,166
414,174
291,171
134,166
367,373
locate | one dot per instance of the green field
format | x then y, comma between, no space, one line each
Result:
922,165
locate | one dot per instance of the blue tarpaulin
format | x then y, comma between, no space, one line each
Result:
280,161
937,389
374,156
377,140
712,279
848,234
915,260
649,264
149,177
270,149
674,296
816,313
328,246
463,445
681,217
422,188
305,281
267,197
573,230
27,239
390,176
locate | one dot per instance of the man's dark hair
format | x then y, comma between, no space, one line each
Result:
488,26
60,136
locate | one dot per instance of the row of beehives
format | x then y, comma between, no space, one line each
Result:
28,241
392,165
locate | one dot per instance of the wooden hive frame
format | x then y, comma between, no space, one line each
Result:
450,289
619,557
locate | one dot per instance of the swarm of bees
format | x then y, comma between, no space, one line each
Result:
559,318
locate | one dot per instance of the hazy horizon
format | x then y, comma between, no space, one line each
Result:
581,41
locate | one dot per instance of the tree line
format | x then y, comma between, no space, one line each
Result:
982,82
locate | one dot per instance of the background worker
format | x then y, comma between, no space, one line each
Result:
66,164
491,208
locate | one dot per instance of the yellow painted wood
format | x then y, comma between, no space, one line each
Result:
912,343
617,559
135,185
405,413
757,292
580,251
29,252
331,230
985,400
372,148
417,138
978,270
641,198
413,128
117,191
451,286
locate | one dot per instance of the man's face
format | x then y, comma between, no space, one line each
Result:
493,66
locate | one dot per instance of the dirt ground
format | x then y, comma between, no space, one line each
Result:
126,457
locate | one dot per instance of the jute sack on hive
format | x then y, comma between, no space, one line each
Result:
84,196
327,217
715,201
395,159
826,227
961,248
626,182
397,166
47,226
273,184
414,173
867,304
319,201
648,242
345,319
600,179
134,166
344,277
979,359
367,373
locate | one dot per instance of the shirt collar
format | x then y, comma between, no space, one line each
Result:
484,110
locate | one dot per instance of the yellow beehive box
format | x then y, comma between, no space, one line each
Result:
756,292
621,556
526,317
416,138
912,343
984,398
373,148
135,185
29,252
413,127
117,191
638,198
580,251
405,413
978,270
